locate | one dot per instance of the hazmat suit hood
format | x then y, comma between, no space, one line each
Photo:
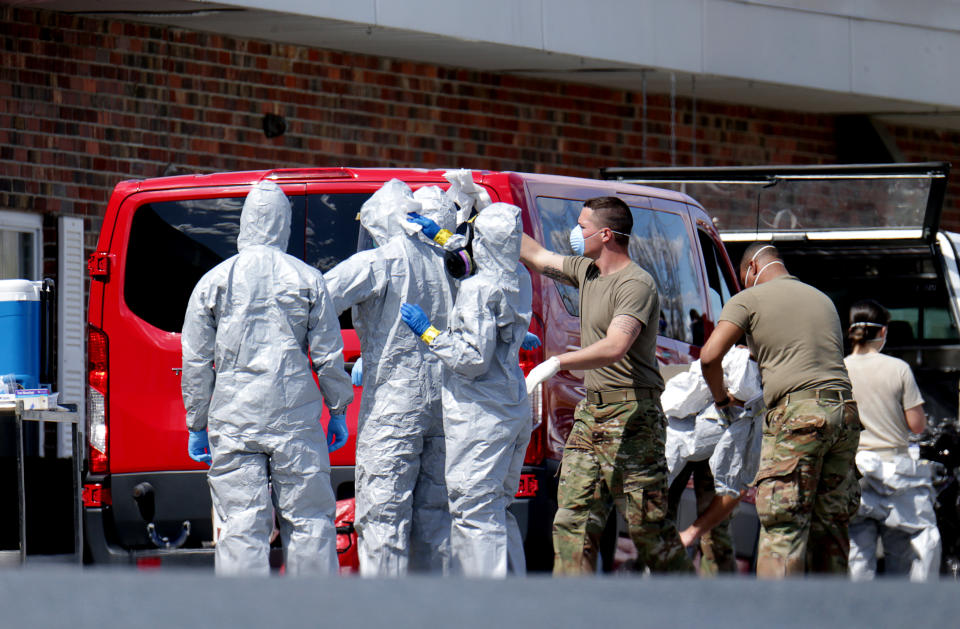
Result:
265,218
438,206
496,242
384,214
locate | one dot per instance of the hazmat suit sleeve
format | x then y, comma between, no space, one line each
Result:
326,352
355,280
197,341
467,346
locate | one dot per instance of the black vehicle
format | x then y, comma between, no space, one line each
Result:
855,232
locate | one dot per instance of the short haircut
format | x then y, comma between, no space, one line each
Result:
752,250
613,213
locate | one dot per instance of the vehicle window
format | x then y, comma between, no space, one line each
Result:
660,243
332,228
918,324
21,248
173,243
720,287
810,202
559,216
906,283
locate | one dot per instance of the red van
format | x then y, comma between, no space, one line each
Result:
146,501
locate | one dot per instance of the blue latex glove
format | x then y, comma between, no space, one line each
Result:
337,432
414,316
356,374
430,229
530,341
198,446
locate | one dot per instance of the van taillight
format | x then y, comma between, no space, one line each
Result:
528,360
98,387
96,495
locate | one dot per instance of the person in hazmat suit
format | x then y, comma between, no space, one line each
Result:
486,412
402,518
255,325
896,489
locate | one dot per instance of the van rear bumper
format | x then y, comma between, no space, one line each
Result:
117,533
534,516
99,550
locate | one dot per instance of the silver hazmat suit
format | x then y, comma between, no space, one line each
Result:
249,325
402,518
486,412
896,506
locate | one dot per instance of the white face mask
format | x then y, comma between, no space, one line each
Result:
577,242
756,278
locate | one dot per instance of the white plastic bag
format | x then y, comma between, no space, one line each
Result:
465,193
687,393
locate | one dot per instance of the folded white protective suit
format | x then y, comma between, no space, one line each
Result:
687,393
896,490
690,439
736,458
696,430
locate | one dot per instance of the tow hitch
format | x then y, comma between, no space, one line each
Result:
164,542
144,496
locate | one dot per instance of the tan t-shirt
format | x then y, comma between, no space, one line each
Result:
630,291
793,331
883,387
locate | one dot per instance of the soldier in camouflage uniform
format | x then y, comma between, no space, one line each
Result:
806,486
614,455
807,490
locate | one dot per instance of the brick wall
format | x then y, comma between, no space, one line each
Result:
85,103
920,145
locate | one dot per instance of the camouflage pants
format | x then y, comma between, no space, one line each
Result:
716,545
615,456
807,489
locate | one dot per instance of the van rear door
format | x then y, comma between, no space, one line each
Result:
165,241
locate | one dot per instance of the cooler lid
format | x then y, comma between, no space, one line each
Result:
20,290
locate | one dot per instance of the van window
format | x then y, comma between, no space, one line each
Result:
660,243
173,243
918,324
332,228
559,216
720,287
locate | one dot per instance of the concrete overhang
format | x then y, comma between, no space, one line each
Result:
892,60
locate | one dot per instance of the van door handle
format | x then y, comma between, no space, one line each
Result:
177,370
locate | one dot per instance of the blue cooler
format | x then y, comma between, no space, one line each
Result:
20,331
